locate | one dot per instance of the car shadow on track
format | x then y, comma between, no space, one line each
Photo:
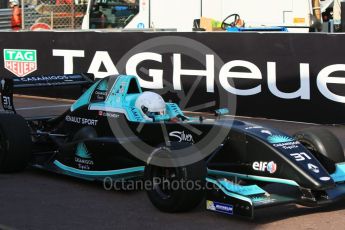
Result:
289,211
262,217
270,215
81,182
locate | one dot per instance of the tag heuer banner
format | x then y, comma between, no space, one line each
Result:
284,76
20,62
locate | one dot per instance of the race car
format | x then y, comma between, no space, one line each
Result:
116,131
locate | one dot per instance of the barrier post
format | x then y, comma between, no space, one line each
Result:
342,16
52,19
73,14
23,16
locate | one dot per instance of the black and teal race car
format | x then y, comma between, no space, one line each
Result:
117,132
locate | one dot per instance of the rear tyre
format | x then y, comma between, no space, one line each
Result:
324,145
15,143
176,189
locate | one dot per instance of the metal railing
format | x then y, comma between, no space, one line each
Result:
5,19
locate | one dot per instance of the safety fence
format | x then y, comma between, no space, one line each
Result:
5,19
58,14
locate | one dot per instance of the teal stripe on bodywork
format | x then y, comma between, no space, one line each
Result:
339,174
98,173
85,98
229,193
252,177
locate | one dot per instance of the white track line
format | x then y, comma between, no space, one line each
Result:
42,98
43,107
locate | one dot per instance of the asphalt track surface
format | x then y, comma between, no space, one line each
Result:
35,199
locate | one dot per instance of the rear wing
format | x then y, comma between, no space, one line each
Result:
9,84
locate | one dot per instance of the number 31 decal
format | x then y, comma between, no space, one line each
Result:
300,156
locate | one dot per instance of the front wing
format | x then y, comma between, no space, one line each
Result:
226,195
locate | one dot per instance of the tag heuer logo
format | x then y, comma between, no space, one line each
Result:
20,62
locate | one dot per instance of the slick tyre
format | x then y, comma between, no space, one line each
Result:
15,143
176,189
324,145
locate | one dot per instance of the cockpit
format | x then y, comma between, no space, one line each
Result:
123,94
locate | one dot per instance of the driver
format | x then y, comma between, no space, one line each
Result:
152,106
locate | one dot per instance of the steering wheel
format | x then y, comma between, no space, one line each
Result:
225,24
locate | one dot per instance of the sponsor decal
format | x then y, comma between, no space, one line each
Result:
101,93
140,25
313,168
220,207
275,139
210,205
83,157
20,62
287,145
325,178
84,161
108,114
84,164
270,167
82,151
136,114
182,136
6,102
48,78
81,120
300,156
226,73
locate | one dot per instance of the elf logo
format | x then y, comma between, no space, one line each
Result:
270,167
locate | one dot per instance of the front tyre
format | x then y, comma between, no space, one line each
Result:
176,189
15,143
324,145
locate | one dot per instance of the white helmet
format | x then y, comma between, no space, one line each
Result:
151,105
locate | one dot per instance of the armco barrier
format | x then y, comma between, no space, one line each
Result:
284,76
5,19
